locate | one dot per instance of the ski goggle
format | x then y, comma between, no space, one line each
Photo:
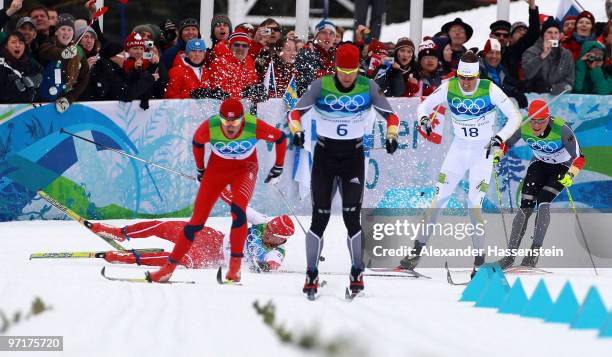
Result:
233,122
539,120
466,78
346,71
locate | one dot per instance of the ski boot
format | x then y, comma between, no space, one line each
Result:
478,261
356,284
106,231
506,262
411,261
311,284
233,274
531,260
162,275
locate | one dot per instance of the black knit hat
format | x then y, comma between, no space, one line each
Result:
186,22
550,22
219,19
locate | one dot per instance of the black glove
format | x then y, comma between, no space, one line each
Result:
391,145
425,124
169,30
495,142
200,174
298,139
275,172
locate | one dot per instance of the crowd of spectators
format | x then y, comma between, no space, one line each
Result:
49,56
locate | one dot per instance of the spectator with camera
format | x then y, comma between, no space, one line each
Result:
190,74
266,42
234,72
107,79
143,69
317,58
283,61
585,31
592,77
402,78
61,54
189,28
20,76
547,67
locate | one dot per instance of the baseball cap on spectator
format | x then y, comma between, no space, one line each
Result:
246,27
587,15
550,22
428,48
80,27
133,40
377,47
325,24
239,36
500,25
492,44
468,29
347,56
517,25
195,44
65,20
25,20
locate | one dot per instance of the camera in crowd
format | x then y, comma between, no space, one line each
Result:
554,43
592,57
148,45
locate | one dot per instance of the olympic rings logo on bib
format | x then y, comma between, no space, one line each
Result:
344,102
466,105
541,145
233,147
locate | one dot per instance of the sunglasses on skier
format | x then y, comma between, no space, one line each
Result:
233,123
240,45
467,78
347,71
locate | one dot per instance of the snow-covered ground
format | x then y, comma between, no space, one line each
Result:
481,18
397,317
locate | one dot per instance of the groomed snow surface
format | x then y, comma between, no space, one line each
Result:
397,317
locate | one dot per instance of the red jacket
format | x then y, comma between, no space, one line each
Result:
183,79
232,76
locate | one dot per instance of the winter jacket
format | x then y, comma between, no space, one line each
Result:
168,56
513,54
231,75
574,44
503,80
395,82
596,80
141,83
184,78
313,62
283,72
19,78
550,75
75,71
107,81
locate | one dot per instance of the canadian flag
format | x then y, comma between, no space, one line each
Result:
437,119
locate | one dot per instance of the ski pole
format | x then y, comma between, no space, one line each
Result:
586,245
567,89
290,208
129,155
499,200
